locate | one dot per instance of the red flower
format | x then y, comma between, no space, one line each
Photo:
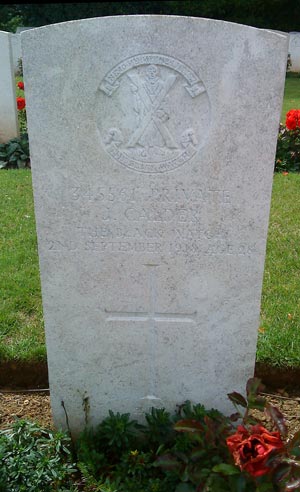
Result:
21,85
21,103
251,450
293,119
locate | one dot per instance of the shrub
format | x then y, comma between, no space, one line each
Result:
34,459
15,153
21,106
288,144
194,450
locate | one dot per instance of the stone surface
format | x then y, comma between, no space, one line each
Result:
152,142
16,46
16,51
294,50
8,111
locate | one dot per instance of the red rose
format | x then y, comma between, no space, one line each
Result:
21,103
251,450
21,85
293,119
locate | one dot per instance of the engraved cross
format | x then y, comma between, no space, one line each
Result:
152,315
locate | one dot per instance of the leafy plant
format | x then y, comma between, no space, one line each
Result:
118,431
193,450
15,153
34,459
222,458
21,101
198,450
288,145
118,455
100,449
159,428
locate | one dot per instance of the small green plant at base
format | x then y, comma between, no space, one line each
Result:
34,459
204,451
193,450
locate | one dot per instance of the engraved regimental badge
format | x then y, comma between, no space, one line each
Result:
153,113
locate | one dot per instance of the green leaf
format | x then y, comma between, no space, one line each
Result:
167,462
295,441
12,148
226,469
235,417
197,453
185,487
189,425
257,403
237,399
281,472
239,482
265,487
253,386
295,451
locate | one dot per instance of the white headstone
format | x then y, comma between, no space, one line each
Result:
294,50
8,110
152,141
16,51
16,47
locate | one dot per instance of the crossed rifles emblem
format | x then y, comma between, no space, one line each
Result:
151,96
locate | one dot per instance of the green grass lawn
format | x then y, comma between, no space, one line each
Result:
21,320
21,325
279,334
22,333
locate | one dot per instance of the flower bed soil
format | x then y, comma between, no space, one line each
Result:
23,375
29,406
18,378
34,375
36,407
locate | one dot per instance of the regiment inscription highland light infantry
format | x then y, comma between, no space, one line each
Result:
153,113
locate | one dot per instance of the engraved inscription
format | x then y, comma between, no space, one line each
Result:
152,193
153,113
150,219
